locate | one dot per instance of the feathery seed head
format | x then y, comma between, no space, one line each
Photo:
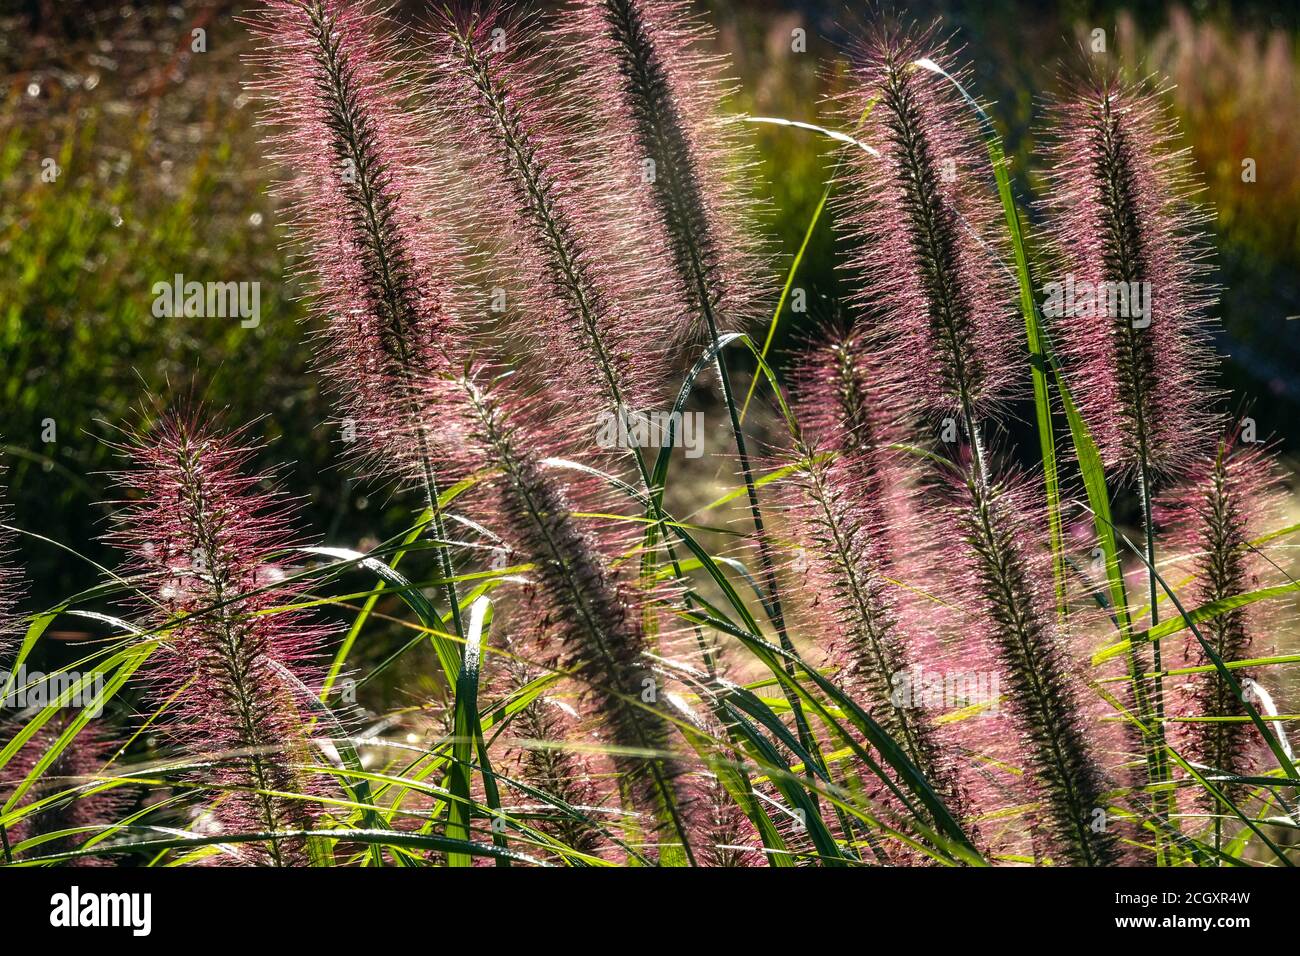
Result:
364,209
594,618
567,227
854,513
1126,289
81,763
920,225
658,93
203,544
1004,579
1226,502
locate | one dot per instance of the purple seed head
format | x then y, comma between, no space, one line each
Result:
208,550
365,214
81,764
855,515
658,91
1125,293
920,223
1227,502
586,286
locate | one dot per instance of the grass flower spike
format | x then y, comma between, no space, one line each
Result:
1128,304
919,220
938,300
1004,580
1125,289
1215,516
596,617
659,96
568,232
853,512
385,274
206,550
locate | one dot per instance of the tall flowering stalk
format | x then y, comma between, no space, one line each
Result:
597,618
922,233
204,545
657,94
1004,579
384,271
1215,515
573,231
920,226
855,504
660,98
1130,301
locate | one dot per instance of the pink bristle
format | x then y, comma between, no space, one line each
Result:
1002,578
588,619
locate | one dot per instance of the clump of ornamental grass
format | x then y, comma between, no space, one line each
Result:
386,275
205,550
585,281
1215,517
854,513
592,618
919,224
68,804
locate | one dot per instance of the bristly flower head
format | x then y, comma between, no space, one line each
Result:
80,765
1005,578
855,517
385,271
920,225
206,551
1126,291
593,618
849,401
658,93
587,288
1215,516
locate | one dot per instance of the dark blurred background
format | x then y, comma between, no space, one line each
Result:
159,172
